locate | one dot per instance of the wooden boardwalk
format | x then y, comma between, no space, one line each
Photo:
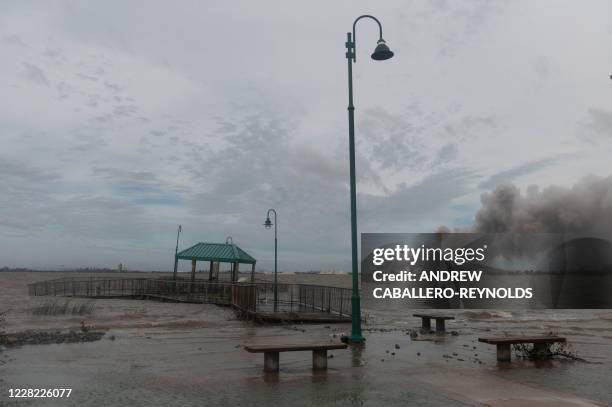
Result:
296,302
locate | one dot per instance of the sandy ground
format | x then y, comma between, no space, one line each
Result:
190,354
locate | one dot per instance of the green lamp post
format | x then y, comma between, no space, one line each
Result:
381,53
268,224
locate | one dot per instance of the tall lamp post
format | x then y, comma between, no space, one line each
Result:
176,251
268,224
381,53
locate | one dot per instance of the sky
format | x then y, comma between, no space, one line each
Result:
121,120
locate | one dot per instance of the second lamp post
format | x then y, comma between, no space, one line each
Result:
268,224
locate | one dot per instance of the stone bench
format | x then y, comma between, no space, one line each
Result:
426,321
540,344
319,353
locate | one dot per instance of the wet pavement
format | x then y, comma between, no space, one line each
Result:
190,354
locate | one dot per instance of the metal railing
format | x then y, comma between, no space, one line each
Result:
246,297
305,298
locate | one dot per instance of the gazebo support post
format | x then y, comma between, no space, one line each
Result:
208,252
193,270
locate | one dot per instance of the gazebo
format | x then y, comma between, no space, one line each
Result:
216,253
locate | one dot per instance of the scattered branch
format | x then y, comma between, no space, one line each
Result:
549,351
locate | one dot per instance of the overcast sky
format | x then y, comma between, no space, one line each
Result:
120,120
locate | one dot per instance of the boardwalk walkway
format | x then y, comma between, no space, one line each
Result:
296,302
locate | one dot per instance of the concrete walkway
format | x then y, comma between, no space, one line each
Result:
491,390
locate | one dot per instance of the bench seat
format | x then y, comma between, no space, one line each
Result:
503,343
440,321
271,353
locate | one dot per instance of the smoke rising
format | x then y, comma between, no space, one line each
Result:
585,208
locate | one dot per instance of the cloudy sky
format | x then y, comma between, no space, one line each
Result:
120,120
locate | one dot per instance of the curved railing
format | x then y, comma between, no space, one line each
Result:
247,297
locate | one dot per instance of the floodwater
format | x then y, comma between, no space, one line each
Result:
191,354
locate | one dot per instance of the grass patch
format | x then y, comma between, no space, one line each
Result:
67,307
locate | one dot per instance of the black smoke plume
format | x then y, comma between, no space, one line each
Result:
583,209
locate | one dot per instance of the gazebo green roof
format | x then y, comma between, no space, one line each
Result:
222,252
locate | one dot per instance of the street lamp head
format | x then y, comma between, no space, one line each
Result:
268,223
382,51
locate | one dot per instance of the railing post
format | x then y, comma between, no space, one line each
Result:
313,298
322,298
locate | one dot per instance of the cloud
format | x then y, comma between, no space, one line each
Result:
24,190
14,40
601,121
392,141
421,200
447,153
140,187
36,199
118,132
35,74
511,174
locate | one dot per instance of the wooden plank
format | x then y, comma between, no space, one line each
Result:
433,316
509,340
294,347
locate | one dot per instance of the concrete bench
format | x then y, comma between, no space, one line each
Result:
426,321
319,353
540,344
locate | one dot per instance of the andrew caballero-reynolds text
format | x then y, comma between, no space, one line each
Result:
459,256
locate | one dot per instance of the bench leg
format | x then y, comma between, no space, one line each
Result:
503,352
319,359
270,361
426,324
440,325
